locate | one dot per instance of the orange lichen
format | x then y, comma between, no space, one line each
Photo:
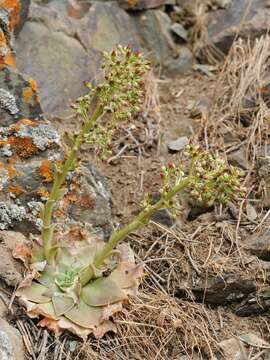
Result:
14,7
43,192
10,60
23,147
46,171
6,57
17,126
34,87
16,190
86,201
27,94
12,172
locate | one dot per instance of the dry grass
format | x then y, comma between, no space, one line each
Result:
203,47
244,94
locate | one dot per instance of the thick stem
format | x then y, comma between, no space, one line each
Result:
55,195
142,219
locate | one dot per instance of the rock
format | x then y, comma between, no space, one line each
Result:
178,144
77,8
224,290
17,12
233,350
70,48
259,244
239,158
179,31
29,149
224,24
255,304
263,167
154,28
143,4
163,216
11,270
11,343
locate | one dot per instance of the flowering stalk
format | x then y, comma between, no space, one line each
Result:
141,220
60,176
120,95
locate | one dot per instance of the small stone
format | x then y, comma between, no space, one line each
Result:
233,350
254,304
223,290
178,144
180,31
239,158
259,244
11,343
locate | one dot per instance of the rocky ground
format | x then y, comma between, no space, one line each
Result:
206,291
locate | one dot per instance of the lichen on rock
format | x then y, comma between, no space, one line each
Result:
10,213
8,102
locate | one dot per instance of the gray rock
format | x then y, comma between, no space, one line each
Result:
224,290
11,343
224,24
178,144
29,148
180,31
259,244
232,349
64,52
239,158
255,304
263,166
154,28
144,4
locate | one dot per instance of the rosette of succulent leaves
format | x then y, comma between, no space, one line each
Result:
79,284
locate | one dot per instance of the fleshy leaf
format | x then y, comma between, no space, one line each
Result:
45,309
101,292
126,274
47,276
84,315
34,293
66,324
62,304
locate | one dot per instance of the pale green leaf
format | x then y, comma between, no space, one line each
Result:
34,293
84,315
62,304
101,292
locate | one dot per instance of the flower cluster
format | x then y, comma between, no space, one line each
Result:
212,180
172,176
122,91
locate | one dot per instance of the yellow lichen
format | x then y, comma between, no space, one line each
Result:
42,192
46,171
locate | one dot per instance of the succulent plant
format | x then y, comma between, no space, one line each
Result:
57,293
79,284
